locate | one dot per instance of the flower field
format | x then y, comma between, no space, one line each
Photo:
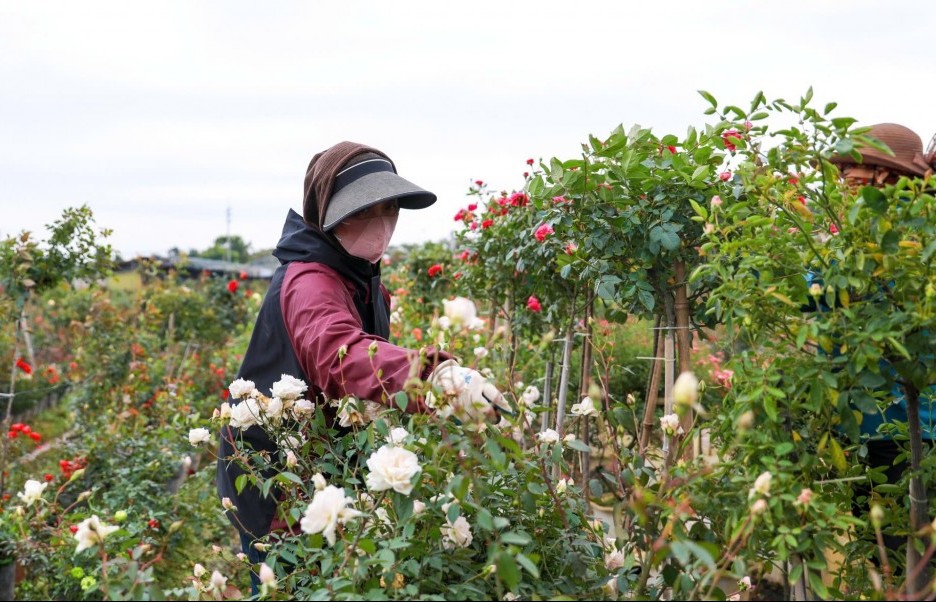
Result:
686,406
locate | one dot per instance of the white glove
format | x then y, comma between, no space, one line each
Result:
466,394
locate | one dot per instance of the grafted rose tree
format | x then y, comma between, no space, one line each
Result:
812,360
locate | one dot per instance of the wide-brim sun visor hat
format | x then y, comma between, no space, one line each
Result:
370,181
904,143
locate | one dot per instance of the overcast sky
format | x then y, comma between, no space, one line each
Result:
161,116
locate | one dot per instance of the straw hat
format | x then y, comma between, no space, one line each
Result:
902,141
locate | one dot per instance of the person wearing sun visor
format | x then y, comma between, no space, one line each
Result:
326,307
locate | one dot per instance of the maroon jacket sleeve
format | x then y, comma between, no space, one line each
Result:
320,316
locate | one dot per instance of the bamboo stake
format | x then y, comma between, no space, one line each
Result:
547,395
584,384
563,384
652,391
683,350
669,365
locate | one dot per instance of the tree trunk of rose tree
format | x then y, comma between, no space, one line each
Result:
683,352
564,383
917,570
27,338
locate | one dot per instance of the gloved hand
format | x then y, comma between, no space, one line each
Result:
466,394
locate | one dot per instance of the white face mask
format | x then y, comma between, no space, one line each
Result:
366,238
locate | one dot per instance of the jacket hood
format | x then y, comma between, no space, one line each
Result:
301,242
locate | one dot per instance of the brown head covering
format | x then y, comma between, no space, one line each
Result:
902,141
320,178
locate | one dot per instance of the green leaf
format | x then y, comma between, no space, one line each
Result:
484,520
770,406
529,565
874,199
699,209
646,299
289,476
838,456
669,240
515,538
708,97
402,400
890,242
507,570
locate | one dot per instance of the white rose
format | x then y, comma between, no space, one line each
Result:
32,491
302,406
530,396
614,559
267,576
198,570
199,435
356,412
686,389
548,436
319,481
586,407
91,531
761,485
480,352
245,414
397,436
457,534
289,387
563,484
242,388
291,459
445,323
273,410
670,424
218,582
328,509
418,507
392,468
460,311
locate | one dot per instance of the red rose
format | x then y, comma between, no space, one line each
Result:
671,149
487,223
153,523
529,161
232,286
243,275
542,232
35,436
435,270
73,528
24,366
472,206
724,176
533,304
729,137
479,183
48,477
